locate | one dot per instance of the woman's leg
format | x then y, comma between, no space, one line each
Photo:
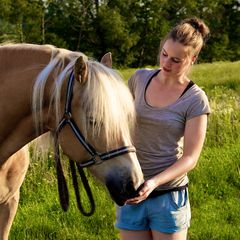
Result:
182,235
135,235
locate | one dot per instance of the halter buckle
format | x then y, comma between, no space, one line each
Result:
97,159
67,115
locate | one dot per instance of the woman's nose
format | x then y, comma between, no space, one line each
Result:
167,62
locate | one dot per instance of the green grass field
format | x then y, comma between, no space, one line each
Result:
214,183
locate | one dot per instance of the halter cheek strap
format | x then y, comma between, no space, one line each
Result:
96,157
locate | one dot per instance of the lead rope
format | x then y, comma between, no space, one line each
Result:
86,188
62,184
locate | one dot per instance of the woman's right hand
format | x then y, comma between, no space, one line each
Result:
144,192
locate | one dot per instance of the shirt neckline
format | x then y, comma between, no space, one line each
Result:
190,84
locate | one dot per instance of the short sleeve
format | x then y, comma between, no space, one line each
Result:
199,106
139,79
132,84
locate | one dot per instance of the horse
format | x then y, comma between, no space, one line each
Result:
83,103
12,174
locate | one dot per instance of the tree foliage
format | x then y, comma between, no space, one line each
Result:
130,29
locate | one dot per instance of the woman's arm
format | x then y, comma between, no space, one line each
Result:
194,135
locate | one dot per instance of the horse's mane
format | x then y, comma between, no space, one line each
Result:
105,98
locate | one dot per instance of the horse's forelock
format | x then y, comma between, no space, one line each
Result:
108,101
106,98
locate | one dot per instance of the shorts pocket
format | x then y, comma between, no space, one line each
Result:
179,199
177,214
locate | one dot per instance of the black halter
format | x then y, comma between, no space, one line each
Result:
96,157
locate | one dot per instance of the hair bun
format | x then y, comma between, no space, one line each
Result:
199,26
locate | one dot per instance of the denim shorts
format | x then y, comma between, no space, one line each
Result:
167,213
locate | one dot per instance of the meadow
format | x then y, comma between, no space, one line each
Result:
214,183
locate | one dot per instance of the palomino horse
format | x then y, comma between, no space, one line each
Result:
86,106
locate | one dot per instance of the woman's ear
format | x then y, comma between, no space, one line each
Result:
194,59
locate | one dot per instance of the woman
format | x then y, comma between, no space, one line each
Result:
171,126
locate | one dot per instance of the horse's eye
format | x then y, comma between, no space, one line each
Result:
91,120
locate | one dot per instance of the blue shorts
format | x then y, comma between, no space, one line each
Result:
167,213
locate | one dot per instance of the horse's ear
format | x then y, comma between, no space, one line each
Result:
80,70
107,60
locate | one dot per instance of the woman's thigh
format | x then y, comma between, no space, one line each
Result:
182,235
135,235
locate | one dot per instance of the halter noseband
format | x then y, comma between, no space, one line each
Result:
97,158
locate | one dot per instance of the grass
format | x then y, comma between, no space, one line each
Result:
222,74
41,217
214,183
209,75
215,195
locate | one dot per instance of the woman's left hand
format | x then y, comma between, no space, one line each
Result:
146,189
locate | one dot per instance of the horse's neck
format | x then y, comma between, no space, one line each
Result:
19,68
23,56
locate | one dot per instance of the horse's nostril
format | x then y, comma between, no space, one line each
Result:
129,187
130,190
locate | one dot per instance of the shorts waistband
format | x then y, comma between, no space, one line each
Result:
157,193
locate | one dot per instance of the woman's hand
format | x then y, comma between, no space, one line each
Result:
144,192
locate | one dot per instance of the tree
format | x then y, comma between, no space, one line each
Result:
130,29
69,24
114,35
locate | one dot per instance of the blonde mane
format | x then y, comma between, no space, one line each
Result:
105,99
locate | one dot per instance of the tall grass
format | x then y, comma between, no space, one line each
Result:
221,82
214,183
215,194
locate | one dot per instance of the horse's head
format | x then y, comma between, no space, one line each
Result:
96,129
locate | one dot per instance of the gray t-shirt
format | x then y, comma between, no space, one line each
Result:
159,134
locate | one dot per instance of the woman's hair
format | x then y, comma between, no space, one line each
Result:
192,32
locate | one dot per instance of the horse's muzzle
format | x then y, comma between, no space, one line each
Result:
121,189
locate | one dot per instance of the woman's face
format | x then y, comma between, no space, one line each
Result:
175,59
